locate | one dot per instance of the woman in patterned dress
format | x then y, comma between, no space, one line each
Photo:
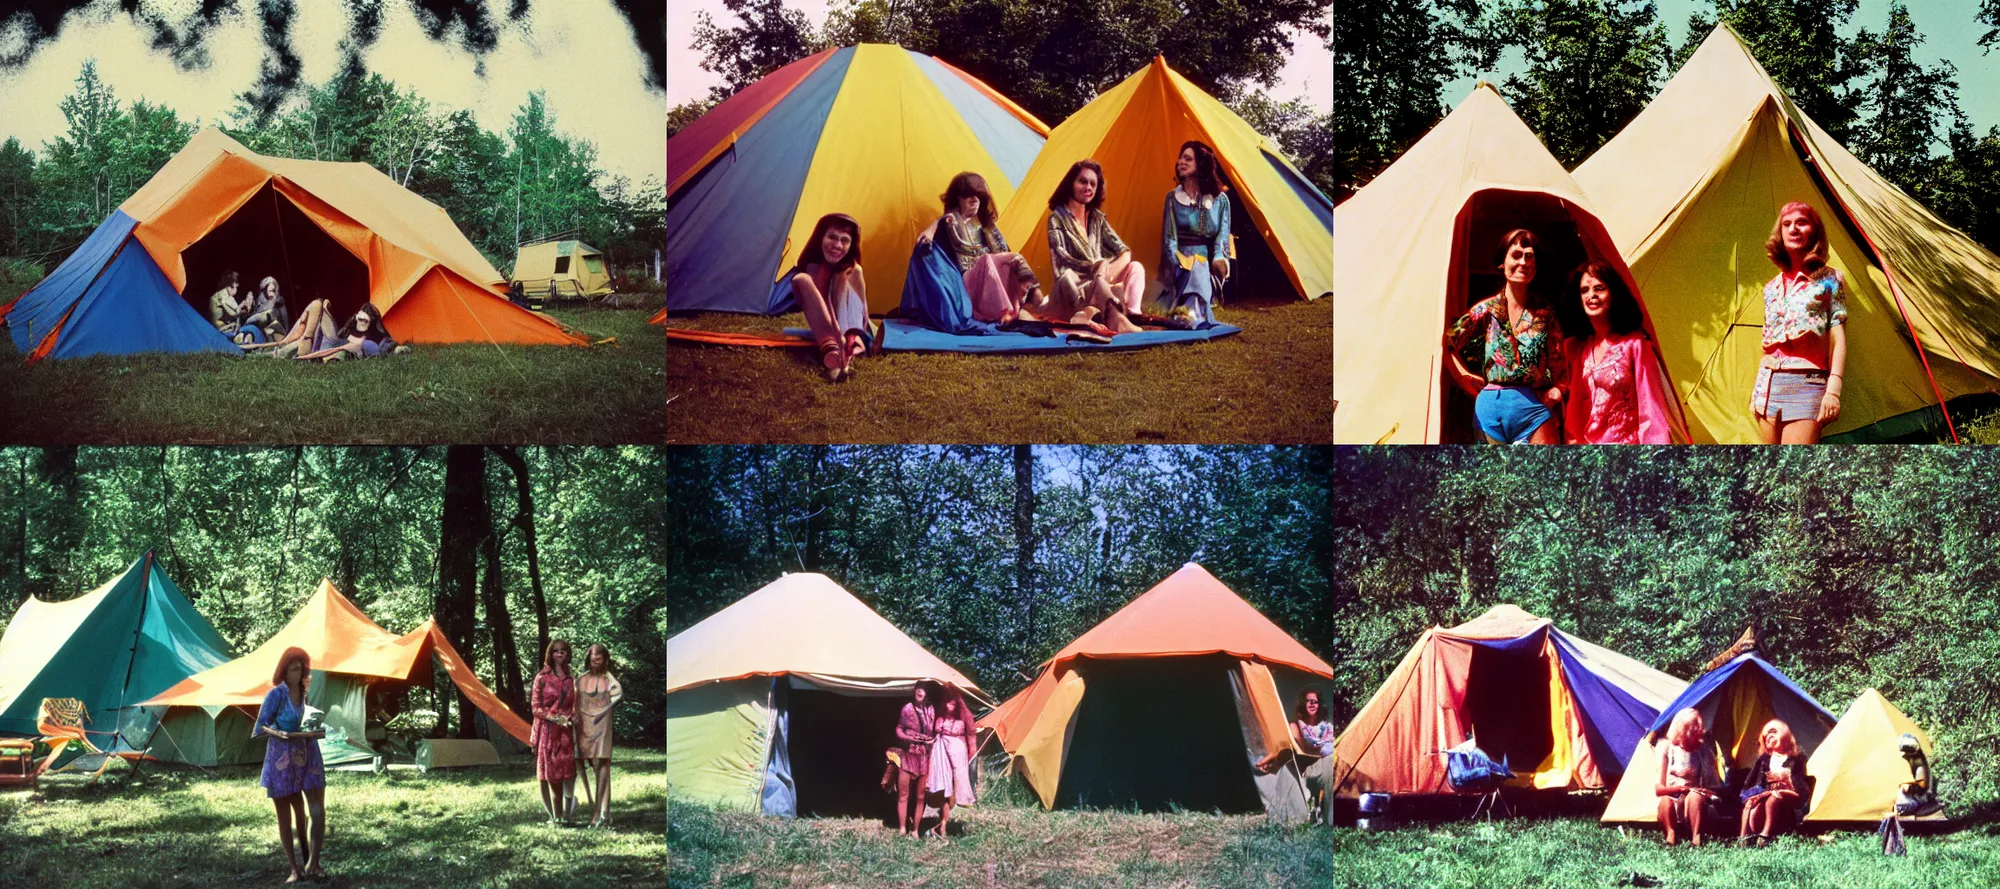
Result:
1618,391
1097,281
292,765
1515,341
1194,248
553,735
597,691
999,281
1805,333
916,730
951,756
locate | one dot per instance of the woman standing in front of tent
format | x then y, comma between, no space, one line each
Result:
1194,249
597,691
553,702
1688,778
1618,392
294,776
1517,343
1776,800
999,281
1096,279
916,728
1799,380
951,756
828,285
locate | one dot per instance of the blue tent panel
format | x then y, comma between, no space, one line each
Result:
1012,143
43,307
902,336
1322,206
1614,720
132,308
726,227
1529,643
1710,682
780,795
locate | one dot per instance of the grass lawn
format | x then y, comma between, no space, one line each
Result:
605,394
459,827
1008,843
1581,853
1270,384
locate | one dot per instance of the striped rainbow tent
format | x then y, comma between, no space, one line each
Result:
874,131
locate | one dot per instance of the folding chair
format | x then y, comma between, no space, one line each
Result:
1469,770
61,722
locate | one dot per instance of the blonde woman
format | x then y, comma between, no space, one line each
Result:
1776,800
1689,776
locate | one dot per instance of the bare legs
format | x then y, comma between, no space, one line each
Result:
1668,806
825,324
944,818
1116,290
1760,814
909,786
310,836
1788,432
602,768
316,807
1692,803
287,806
1684,809
551,800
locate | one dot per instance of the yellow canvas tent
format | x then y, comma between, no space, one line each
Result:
1416,251
563,269
1690,190
1135,129
785,701
1858,768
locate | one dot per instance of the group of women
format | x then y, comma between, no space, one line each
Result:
1691,786
1098,286
260,321
1585,373
572,723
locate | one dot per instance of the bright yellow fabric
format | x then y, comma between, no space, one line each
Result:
535,267
1135,130
1690,190
1403,261
891,144
1858,768
1634,800
1045,747
718,738
800,623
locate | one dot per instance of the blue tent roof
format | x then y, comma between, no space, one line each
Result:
109,298
1809,721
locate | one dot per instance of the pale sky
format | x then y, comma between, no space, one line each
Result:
1309,74
581,52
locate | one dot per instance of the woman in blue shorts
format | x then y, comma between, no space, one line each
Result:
1516,344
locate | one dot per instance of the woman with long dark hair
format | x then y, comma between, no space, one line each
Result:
830,290
1097,281
999,281
1618,393
1194,236
1799,379
951,755
294,776
1516,343
553,702
916,730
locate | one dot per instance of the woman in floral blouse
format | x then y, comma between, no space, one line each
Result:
1514,340
553,735
1097,281
294,775
1618,393
999,281
1805,334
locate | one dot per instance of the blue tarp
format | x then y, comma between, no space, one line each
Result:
934,294
116,300
902,336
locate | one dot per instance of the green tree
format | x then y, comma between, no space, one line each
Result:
1592,65
767,37
679,116
17,198
1305,136
1391,60
1909,108
1989,15
553,176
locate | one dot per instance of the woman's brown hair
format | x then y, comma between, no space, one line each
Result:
1519,236
375,332
548,659
1815,251
1206,179
609,664
1299,710
813,255
966,185
1068,186
285,660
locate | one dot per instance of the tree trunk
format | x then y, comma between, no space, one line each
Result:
1024,538
466,525
524,519
506,659
61,531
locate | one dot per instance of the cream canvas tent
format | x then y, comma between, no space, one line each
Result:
1416,249
565,269
1859,767
783,702
1690,190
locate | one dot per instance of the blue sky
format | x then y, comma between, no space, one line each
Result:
1947,25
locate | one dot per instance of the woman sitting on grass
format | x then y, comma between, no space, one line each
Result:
1688,778
292,765
1194,249
1776,800
998,280
314,337
951,756
597,691
1097,282
828,285
553,702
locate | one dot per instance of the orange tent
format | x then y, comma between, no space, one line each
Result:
345,230
353,652
1202,669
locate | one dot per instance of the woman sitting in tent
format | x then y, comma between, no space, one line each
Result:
1515,340
916,728
265,318
951,755
1097,282
1805,335
1194,250
292,765
1689,777
1776,800
597,691
315,338
1310,721
553,702
829,287
1618,394
224,311
998,280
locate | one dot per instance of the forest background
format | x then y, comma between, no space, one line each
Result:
1862,567
506,546
1590,66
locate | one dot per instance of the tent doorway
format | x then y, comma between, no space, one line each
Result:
1507,705
1486,218
836,743
1255,276
269,236
1158,732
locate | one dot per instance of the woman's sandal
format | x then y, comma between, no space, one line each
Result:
833,361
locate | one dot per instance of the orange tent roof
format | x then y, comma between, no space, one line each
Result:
428,281
339,639
1189,613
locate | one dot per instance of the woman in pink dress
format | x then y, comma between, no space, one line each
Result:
999,281
951,755
1618,392
916,729
553,734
